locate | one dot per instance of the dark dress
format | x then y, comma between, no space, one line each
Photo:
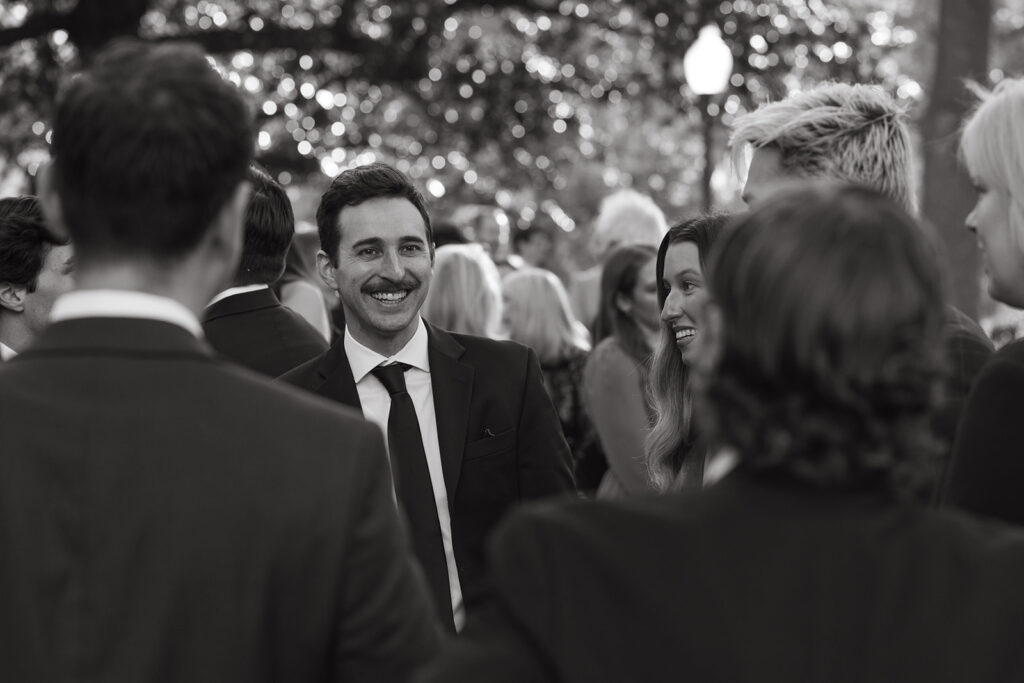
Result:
987,471
564,380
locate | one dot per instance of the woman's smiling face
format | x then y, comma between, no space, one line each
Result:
683,280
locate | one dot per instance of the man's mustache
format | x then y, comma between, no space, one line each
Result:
389,286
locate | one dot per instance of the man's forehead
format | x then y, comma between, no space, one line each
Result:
382,216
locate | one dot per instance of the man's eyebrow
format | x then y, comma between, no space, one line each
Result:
368,241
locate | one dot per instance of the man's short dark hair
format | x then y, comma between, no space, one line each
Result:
149,143
24,241
527,234
355,186
269,226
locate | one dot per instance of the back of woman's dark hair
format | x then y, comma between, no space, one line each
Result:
831,349
619,276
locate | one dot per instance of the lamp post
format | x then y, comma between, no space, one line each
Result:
707,66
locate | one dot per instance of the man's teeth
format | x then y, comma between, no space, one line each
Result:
390,296
685,334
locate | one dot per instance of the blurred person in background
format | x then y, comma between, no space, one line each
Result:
465,293
810,561
987,471
855,133
625,217
446,232
675,452
489,227
534,245
35,268
299,288
537,314
246,323
615,375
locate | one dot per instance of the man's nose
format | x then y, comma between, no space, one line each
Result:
392,267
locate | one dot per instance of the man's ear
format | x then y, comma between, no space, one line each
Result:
326,270
12,297
49,201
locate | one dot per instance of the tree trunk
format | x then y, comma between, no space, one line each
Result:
964,34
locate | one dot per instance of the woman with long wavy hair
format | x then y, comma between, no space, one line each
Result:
675,457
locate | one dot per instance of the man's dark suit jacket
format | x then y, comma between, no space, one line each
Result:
501,440
748,581
169,517
987,473
255,330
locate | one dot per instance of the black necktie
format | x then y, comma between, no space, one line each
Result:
412,484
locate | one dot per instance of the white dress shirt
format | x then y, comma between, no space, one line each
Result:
6,352
376,403
231,291
120,303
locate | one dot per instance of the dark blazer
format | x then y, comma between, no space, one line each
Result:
967,350
987,473
255,330
500,438
168,517
748,581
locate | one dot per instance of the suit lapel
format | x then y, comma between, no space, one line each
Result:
452,382
337,382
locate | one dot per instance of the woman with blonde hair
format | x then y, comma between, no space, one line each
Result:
538,314
987,473
465,292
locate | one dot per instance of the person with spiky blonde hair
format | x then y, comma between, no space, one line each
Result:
851,133
854,134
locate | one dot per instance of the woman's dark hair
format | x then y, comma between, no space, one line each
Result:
669,386
619,277
702,230
830,351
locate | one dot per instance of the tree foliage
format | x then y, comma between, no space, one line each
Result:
540,105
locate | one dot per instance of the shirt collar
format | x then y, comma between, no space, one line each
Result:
231,291
363,359
118,303
6,352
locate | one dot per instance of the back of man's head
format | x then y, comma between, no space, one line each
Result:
269,227
149,144
24,241
851,133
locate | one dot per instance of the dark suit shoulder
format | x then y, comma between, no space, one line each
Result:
304,376
500,348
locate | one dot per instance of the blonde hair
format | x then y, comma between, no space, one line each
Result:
992,147
538,315
465,292
852,133
628,217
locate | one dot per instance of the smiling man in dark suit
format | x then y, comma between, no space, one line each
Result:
470,426
165,516
246,323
